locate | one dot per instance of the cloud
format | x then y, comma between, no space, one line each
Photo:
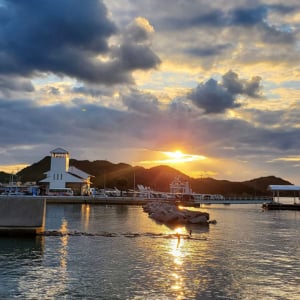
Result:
208,50
68,37
212,97
141,102
134,52
246,16
11,84
235,86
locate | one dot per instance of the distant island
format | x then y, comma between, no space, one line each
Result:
124,176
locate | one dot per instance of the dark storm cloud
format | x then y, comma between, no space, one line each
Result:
65,37
248,16
235,86
214,97
254,16
40,34
257,16
202,15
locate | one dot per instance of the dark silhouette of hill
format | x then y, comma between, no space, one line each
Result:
258,186
262,183
224,187
36,171
4,177
125,176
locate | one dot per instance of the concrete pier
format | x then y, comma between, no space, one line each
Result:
138,200
22,215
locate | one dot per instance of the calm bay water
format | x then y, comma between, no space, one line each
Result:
117,252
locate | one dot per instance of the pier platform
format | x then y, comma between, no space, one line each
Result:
281,206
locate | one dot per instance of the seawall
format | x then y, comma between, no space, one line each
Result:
22,215
138,200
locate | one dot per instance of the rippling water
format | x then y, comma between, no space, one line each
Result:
117,252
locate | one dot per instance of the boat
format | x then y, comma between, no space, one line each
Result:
16,188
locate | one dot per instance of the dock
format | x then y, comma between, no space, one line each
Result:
281,206
276,204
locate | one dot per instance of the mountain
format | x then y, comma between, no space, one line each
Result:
35,172
262,183
125,176
258,186
4,177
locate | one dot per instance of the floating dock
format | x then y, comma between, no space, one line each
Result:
277,205
281,206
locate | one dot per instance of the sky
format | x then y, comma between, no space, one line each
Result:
211,88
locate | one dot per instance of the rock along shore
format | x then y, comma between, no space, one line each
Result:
167,213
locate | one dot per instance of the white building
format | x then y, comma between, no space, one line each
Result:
61,175
180,187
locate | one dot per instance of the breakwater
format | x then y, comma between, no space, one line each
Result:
84,199
140,200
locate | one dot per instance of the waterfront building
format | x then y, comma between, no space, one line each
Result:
62,176
177,186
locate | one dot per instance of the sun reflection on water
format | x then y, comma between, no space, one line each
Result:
64,244
178,259
85,216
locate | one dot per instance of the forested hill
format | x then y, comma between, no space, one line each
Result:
123,176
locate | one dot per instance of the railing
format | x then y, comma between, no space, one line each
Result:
237,200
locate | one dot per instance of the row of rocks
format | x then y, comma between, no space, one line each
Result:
168,213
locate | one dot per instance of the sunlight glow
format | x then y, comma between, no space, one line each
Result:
288,158
179,157
174,158
12,169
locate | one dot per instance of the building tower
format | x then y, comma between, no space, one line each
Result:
62,176
59,166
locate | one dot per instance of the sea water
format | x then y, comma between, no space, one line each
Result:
118,252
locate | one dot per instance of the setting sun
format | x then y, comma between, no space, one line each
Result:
179,157
172,157
176,154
